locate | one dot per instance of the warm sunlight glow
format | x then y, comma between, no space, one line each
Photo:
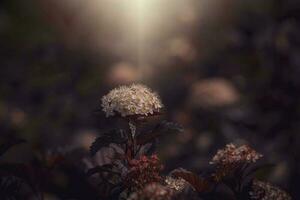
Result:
143,33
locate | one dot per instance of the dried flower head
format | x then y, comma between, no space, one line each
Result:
177,184
232,154
152,191
265,191
143,171
135,99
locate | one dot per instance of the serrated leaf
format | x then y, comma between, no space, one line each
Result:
29,174
113,136
116,191
163,128
9,187
6,146
197,182
150,150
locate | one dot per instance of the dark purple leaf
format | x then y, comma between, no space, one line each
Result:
114,136
163,128
198,183
6,146
101,169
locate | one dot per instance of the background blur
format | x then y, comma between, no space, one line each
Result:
227,70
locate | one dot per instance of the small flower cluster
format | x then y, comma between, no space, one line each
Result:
143,171
232,154
177,184
152,191
135,99
265,191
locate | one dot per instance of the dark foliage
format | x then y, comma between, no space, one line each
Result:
200,184
7,145
110,137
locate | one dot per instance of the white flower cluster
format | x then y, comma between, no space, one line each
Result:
135,99
232,154
265,191
175,183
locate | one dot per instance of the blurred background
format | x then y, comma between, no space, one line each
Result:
227,70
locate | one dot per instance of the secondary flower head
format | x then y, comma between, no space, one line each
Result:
135,99
232,154
265,191
177,184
